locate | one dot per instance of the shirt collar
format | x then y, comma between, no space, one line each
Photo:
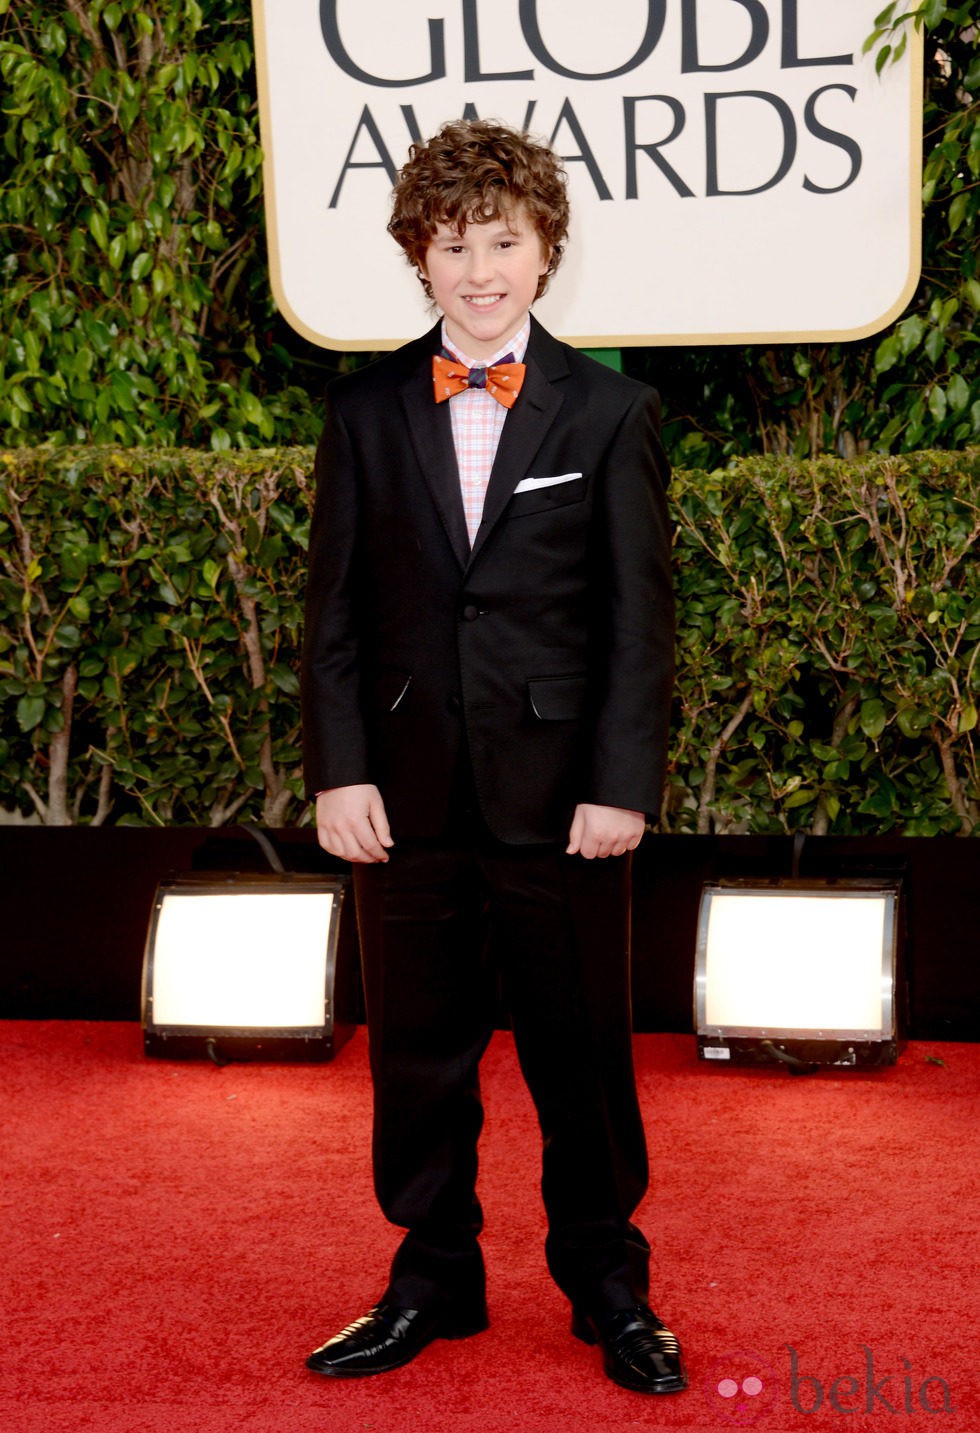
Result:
516,344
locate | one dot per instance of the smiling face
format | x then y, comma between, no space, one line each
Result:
485,279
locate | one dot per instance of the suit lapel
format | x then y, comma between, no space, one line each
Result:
525,428
524,431
432,436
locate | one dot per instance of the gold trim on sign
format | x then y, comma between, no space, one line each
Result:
916,52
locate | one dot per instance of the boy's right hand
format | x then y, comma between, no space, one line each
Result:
351,823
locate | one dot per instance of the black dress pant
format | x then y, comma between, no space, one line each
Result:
444,925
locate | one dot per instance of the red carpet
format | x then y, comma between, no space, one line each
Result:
175,1238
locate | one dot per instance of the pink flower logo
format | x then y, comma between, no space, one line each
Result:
739,1386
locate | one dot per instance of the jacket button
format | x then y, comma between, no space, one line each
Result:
453,705
470,613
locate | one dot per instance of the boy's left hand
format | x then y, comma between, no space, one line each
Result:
598,831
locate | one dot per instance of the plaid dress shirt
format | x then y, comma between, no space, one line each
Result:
478,421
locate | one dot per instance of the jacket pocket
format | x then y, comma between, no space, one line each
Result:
548,496
557,698
392,688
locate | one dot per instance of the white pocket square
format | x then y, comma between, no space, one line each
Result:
528,485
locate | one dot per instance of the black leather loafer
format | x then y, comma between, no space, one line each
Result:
638,1351
388,1337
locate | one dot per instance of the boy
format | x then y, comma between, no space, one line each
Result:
487,673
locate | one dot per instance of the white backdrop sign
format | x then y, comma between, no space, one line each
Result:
737,169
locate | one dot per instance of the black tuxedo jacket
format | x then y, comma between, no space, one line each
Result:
544,656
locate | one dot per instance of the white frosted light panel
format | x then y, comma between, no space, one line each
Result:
242,960
795,962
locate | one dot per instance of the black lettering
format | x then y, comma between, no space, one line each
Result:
947,1404
411,123
470,112
384,160
656,15
791,57
330,29
472,72
832,136
854,1387
711,102
567,115
796,1378
652,150
690,61
874,1389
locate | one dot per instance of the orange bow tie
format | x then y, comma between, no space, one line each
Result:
501,380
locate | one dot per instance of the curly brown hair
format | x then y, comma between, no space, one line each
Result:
474,171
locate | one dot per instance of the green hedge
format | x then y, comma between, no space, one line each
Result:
829,631
135,305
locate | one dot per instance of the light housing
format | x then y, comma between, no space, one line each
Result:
799,972
245,966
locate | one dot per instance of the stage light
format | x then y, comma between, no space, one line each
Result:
245,967
800,972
